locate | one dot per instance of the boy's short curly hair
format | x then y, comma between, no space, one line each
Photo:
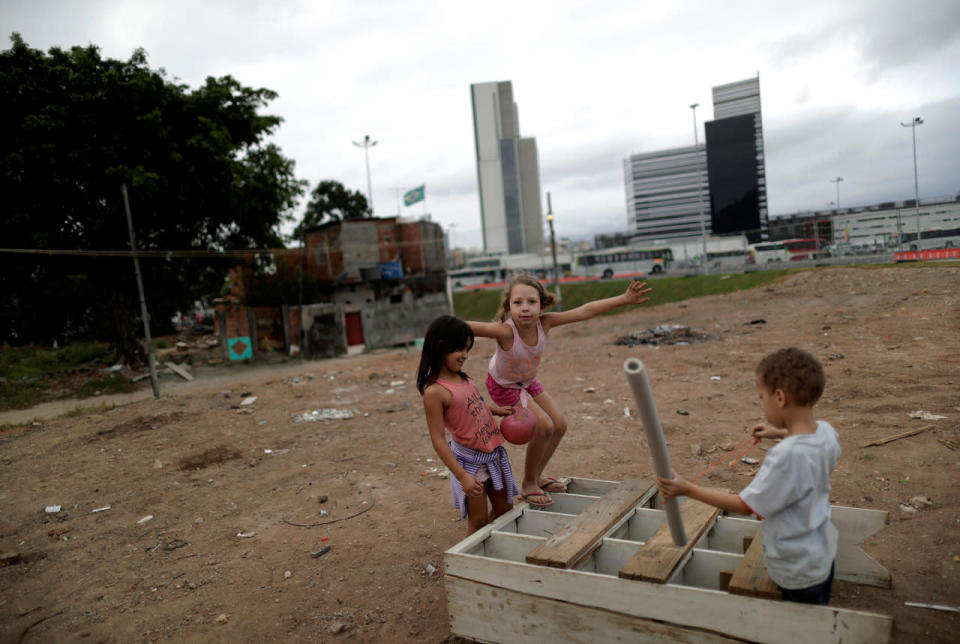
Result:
794,371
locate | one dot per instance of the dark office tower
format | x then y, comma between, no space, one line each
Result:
735,161
732,170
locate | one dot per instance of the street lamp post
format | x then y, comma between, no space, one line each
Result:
366,144
837,181
553,250
916,184
703,227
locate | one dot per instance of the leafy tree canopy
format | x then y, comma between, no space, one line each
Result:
198,169
330,201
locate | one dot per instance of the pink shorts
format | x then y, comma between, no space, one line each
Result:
507,396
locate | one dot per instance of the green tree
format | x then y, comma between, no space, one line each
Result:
199,172
331,201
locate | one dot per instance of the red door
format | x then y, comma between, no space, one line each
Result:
354,329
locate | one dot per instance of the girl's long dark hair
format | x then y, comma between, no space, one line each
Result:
445,335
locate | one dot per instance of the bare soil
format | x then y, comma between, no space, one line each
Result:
193,518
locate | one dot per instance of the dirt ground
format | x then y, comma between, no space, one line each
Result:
184,519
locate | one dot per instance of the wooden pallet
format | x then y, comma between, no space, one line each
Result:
605,570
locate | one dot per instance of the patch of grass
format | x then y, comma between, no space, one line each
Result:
33,362
482,305
867,456
21,395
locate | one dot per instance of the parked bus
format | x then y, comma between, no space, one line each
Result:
768,252
806,248
788,250
608,262
939,238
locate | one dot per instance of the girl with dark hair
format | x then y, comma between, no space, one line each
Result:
478,463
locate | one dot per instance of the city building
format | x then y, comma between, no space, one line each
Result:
723,178
735,161
666,192
508,173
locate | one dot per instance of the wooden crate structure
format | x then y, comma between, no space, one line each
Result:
599,565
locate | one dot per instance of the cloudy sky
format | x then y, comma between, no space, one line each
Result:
594,82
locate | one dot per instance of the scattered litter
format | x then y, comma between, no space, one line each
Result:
319,553
287,574
324,538
246,535
663,334
246,402
749,460
609,401
222,618
145,519
920,502
276,451
397,383
951,609
323,513
323,414
50,509
836,356
683,412
430,569
925,415
590,390
626,412
103,509
907,508
714,377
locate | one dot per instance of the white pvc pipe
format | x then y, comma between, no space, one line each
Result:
640,384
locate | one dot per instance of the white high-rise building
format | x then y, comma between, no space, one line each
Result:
508,173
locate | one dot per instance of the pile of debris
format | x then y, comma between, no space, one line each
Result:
663,334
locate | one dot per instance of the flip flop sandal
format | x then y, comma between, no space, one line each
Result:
553,485
537,495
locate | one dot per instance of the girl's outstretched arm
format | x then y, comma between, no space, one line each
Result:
433,407
499,331
635,294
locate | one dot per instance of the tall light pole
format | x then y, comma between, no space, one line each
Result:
366,144
916,184
553,248
837,181
696,152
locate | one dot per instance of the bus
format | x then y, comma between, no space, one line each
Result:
609,262
806,248
788,250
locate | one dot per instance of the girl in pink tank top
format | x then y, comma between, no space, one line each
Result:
478,463
521,335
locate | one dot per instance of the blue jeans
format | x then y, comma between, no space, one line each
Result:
817,594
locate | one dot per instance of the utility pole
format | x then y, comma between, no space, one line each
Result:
151,363
553,249
366,144
837,181
916,184
696,152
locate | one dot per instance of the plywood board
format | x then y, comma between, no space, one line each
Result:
581,536
751,578
657,558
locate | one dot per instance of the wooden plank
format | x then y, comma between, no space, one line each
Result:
747,618
751,578
658,557
582,536
489,614
180,371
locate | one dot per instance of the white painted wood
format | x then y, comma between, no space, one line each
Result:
490,614
509,546
853,564
542,524
566,503
856,524
590,487
744,617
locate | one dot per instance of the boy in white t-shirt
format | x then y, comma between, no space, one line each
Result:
791,492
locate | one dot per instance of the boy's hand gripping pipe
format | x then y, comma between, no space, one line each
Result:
640,384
